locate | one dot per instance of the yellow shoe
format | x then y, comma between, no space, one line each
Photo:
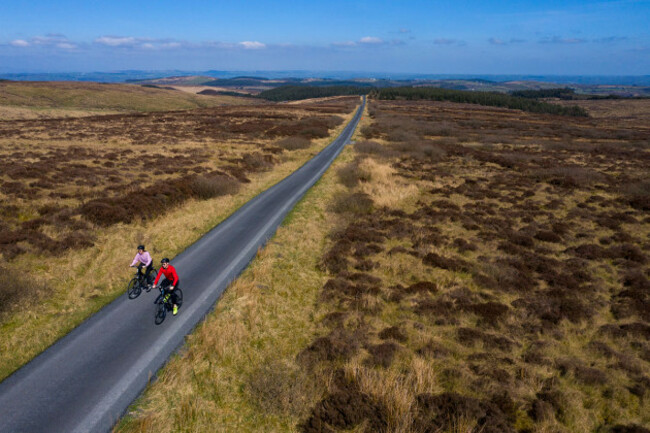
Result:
175,310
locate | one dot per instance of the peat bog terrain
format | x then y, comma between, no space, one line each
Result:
459,269
77,193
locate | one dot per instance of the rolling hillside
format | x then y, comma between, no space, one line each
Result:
94,97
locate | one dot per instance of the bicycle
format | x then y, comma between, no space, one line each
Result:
138,282
164,303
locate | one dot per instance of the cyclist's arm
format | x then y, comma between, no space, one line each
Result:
135,260
158,277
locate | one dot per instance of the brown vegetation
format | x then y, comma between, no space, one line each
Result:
497,283
59,174
527,231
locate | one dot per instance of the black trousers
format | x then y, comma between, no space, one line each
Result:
146,271
166,284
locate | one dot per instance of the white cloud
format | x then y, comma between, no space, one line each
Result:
559,40
252,45
116,41
49,40
370,40
148,46
19,43
66,45
171,45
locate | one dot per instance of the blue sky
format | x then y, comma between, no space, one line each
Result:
433,37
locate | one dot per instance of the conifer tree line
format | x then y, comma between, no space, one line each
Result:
526,102
294,93
492,99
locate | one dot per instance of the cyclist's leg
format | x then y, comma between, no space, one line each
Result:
147,272
165,287
174,297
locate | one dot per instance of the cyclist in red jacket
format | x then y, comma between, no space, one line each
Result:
170,283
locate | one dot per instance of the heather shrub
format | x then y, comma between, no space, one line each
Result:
370,147
294,143
350,175
16,287
569,177
257,161
209,187
356,203
281,388
638,195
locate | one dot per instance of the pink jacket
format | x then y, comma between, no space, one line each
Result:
144,258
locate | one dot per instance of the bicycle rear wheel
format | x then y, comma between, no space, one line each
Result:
134,289
161,312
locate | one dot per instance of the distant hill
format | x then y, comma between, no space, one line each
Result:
131,75
256,82
101,97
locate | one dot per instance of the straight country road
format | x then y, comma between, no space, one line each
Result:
85,381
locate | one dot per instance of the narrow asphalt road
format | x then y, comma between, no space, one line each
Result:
85,381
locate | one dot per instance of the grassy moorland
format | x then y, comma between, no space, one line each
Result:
77,194
32,100
461,269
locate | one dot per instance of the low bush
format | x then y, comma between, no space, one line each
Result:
356,203
369,147
638,195
569,177
16,287
350,175
294,143
282,388
209,187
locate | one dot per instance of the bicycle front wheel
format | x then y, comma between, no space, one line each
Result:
134,289
161,312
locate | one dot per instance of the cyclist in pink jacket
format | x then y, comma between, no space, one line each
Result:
143,258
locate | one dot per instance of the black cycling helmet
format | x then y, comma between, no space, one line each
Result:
165,260
141,247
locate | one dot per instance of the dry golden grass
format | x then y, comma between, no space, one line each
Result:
79,96
18,113
385,188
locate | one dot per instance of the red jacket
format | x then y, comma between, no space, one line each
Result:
169,273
